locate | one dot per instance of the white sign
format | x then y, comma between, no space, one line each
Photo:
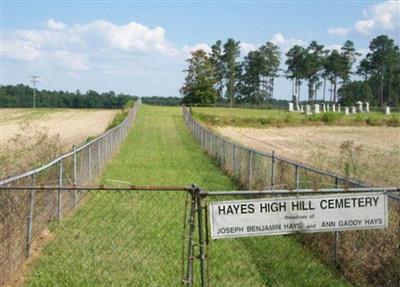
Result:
285,215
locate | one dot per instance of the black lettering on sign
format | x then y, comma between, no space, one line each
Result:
244,208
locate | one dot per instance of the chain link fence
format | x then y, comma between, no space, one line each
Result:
115,238
365,258
25,214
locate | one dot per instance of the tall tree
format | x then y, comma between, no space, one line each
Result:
231,53
270,60
260,68
325,72
313,67
335,68
349,53
379,67
295,61
199,86
216,58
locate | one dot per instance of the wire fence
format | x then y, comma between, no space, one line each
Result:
254,169
364,257
24,215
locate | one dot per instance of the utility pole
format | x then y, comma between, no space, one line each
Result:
34,80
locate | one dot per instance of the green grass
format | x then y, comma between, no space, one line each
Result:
265,118
118,118
135,238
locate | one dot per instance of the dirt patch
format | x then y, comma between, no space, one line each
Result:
18,278
378,148
72,125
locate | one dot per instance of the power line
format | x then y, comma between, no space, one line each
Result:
34,80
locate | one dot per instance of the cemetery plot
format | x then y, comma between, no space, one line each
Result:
324,114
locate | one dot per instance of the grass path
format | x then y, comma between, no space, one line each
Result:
135,238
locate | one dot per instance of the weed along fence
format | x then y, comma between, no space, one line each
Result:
25,214
365,257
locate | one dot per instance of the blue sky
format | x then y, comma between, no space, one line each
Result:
140,47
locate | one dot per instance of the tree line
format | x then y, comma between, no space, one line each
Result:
219,76
22,96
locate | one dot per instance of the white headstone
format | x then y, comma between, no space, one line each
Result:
290,107
308,110
339,108
316,108
333,108
346,110
327,108
301,108
323,107
359,107
353,110
367,107
387,110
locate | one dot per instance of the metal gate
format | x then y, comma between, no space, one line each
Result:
341,258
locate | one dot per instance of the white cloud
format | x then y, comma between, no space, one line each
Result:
333,47
338,31
386,15
73,61
55,25
19,50
278,39
285,44
364,26
96,35
130,37
245,48
383,16
73,47
186,50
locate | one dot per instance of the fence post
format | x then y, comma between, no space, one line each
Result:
224,149
189,271
234,161
337,237
30,218
273,170
297,179
201,239
98,157
59,194
89,162
208,143
74,175
211,144
250,168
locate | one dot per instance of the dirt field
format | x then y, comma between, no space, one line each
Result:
72,125
373,154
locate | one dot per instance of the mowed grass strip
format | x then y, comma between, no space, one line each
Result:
135,238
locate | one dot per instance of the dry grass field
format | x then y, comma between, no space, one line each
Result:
72,125
371,153
32,137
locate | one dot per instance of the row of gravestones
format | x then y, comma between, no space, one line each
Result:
317,108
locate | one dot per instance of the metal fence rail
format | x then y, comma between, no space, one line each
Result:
24,215
255,170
